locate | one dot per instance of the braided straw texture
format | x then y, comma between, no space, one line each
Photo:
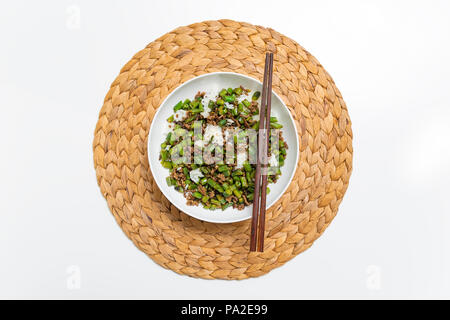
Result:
221,251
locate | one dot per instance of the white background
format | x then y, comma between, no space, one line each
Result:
391,238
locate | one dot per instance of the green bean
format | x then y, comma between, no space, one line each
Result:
164,155
230,90
163,145
256,95
190,119
169,181
237,172
223,92
234,111
250,181
246,103
193,186
220,102
223,201
178,106
228,193
216,202
230,98
205,199
244,182
276,125
203,181
197,195
215,185
201,106
237,193
238,91
170,119
222,122
166,164
222,168
250,197
227,205
273,119
238,184
240,107
268,190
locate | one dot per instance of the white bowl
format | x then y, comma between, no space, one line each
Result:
214,82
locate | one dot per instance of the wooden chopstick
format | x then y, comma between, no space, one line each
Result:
262,210
262,124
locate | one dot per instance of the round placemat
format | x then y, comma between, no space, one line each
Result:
221,251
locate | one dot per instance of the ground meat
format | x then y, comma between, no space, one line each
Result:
202,189
178,176
221,178
200,94
192,203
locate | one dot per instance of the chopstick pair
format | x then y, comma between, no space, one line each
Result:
259,203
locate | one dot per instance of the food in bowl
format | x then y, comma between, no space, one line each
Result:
208,128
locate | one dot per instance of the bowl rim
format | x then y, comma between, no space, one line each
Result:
169,197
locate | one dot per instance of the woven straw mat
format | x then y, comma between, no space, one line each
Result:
221,251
